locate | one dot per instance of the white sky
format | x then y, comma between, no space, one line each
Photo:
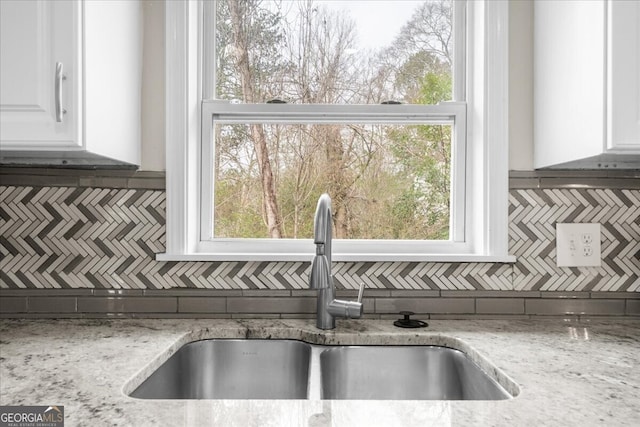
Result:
378,21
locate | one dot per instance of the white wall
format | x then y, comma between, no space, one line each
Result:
153,86
520,86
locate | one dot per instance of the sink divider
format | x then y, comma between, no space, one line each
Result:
314,391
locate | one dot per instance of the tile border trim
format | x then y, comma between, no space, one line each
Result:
570,179
32,303
155,180
82,178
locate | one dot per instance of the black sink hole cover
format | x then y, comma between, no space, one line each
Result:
408,322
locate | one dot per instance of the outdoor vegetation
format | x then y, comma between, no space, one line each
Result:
386,181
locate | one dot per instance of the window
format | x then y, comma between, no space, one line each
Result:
293,105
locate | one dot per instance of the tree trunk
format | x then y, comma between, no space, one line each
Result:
269,199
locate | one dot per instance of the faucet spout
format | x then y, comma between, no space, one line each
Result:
321,277
322,230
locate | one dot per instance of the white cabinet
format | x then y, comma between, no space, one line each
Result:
34,37
70,78
587,84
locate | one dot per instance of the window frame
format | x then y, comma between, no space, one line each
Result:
485,217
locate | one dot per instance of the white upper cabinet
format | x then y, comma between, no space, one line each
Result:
39,102
586,84
623,76
70,78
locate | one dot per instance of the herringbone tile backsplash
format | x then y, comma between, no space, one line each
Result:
533,215
105,238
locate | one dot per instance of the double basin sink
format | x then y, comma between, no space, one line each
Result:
289,369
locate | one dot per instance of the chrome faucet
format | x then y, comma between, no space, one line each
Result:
321,277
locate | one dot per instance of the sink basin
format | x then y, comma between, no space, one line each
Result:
289,369
232,369
399,373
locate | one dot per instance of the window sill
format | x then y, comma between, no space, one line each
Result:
285,257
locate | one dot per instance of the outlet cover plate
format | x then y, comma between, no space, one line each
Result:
578,245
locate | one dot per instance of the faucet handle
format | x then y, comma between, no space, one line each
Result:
347,309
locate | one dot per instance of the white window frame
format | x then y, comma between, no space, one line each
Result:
188,121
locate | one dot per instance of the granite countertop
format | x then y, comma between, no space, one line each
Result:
569,373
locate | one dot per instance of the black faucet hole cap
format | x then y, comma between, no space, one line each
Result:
408,322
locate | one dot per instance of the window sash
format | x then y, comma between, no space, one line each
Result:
453,113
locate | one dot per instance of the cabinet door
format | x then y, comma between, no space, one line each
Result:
39,110
623,75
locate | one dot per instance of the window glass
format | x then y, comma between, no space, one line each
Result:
333,52
387,181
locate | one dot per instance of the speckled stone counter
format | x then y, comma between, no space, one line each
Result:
568,373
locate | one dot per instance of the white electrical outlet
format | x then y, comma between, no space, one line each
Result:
578,245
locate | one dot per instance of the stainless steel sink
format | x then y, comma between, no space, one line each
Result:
287,369
232,369
404,373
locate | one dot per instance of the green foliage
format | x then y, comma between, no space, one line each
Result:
424,153
236,212
436,87
411,75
